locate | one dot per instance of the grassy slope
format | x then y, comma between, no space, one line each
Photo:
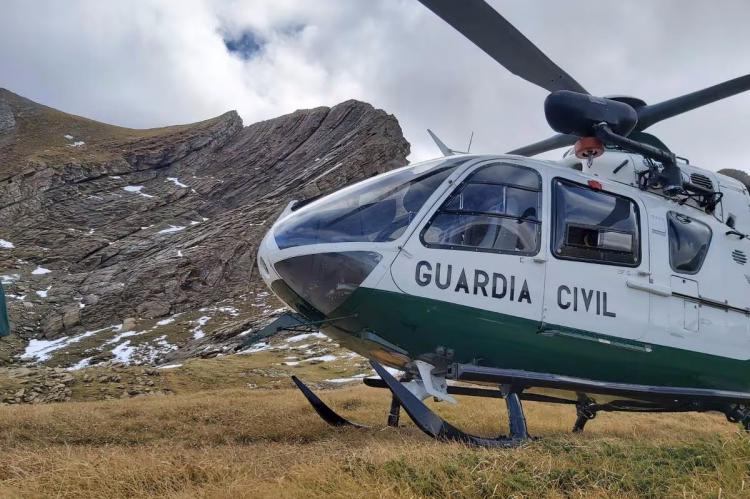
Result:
41,130
267,442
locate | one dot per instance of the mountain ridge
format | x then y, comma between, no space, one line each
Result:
110,227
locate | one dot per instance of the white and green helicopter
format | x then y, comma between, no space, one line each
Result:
615,279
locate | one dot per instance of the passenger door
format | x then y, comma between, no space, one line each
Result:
483,245
597,285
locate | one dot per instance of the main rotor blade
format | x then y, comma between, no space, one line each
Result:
491,32
550,144
654,113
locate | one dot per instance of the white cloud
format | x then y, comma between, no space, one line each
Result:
165,62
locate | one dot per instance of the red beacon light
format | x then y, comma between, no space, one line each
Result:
596,185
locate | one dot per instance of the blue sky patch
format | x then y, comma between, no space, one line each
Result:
246,46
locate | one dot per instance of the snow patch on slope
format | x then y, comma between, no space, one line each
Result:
136,189
41,350
176,181
171,229
123,352
198,330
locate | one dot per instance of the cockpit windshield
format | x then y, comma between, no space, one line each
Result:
376,210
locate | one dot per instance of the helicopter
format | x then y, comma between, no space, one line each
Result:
613,279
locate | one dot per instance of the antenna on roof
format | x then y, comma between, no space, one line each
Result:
445,150
468,149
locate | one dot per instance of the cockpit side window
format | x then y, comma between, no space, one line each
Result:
496,209
689,240
594,226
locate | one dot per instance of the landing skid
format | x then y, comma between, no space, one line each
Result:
736,406
429,422
326,413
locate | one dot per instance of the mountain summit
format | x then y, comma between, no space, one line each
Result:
107,230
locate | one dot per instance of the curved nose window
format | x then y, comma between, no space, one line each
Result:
325,280
376,210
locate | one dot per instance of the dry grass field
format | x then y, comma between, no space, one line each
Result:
265,442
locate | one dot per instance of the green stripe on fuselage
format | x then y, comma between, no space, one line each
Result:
420,325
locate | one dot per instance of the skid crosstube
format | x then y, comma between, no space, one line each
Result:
438,428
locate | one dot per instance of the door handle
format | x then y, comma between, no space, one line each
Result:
534,259
648,287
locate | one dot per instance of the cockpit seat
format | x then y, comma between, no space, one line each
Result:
498,234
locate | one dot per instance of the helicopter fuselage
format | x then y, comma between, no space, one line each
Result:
506,262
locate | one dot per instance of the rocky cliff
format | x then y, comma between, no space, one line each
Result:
108,233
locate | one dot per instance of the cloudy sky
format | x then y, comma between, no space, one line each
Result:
157,62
